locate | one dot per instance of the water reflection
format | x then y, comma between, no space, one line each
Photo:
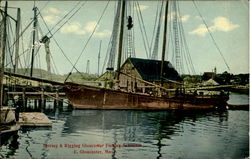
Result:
11,143
150,128
150,123
161,134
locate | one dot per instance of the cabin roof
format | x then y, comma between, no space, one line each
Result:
150,70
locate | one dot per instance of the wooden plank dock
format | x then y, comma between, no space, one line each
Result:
9,129
38,94
34,119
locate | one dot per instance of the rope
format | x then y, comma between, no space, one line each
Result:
186,47
22,42
154,54
107,55
90,36
64,54
26,71
216,45
49,31
20,35
144,41
38,57
12,34
146,37
156,17
39,64
180,40
53,62
133,31
24,51
45,5
68,18
18,56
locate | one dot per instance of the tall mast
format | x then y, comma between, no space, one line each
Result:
17,39
34,40
99,56
3,46
120,41
114,38
164,41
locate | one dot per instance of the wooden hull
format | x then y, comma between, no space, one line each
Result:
87,97
7,115
9,129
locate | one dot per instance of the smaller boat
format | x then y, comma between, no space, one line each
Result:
8,123
8,120
240,89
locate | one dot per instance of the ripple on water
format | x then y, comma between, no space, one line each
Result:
169,134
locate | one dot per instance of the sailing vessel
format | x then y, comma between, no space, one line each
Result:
8,124
150,85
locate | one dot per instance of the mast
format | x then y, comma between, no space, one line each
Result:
87,67
120,41
17,39
3,46
114,38
47,50
99,56
164,41
34,40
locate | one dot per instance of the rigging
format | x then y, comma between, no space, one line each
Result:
157,35
128,43
155,23
65,17
180,51
143,30
211,35
104,10
114,39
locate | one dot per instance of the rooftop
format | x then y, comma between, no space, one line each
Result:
150,70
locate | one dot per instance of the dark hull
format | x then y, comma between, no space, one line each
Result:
87,97
240,90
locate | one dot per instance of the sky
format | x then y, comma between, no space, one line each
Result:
228,22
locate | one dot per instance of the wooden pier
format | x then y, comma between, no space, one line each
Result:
34,119
35,95
32,88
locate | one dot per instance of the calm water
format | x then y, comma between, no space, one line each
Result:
135,135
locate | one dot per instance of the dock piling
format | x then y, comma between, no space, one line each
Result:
43,101
24,98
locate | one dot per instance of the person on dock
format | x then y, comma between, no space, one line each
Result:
195,93
177,92
17,105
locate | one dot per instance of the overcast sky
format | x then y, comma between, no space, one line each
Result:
226,20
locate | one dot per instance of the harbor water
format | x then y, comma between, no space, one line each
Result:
121,134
